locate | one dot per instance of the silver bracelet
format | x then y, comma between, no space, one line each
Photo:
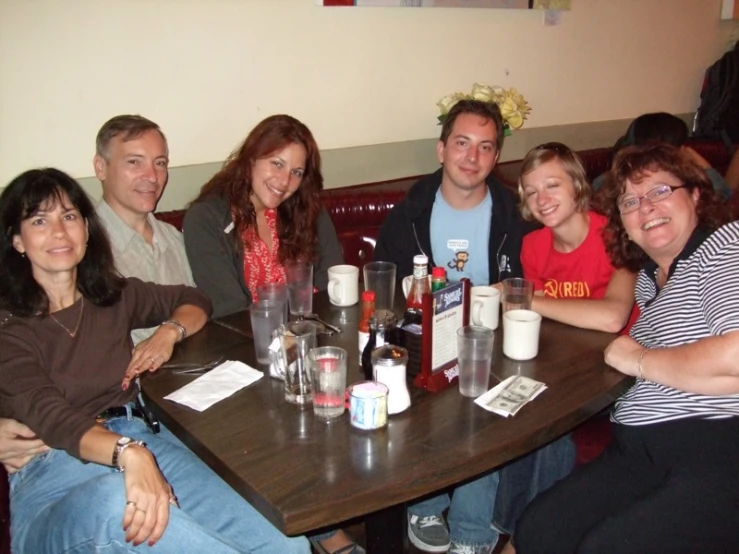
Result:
639,363
180,328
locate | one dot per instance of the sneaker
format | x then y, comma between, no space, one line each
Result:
429,533
457,548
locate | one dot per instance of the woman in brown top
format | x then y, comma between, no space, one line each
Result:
66,370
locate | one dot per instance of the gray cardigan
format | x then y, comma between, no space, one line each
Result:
217,260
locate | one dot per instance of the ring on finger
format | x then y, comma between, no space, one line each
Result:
131,503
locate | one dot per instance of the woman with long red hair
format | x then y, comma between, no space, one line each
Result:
260,211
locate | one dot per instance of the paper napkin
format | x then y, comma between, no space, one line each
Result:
219,383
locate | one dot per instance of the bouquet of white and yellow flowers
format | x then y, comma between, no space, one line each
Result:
513,107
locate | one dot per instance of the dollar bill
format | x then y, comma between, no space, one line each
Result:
510,395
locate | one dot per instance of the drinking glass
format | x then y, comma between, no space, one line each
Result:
328,368
273,291
474,354
380,277
517,294
266,316
299,288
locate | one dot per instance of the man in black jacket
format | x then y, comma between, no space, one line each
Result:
461,216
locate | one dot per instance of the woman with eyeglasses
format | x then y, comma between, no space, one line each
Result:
670,480
573,277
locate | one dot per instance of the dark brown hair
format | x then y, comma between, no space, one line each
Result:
633,163
486,110
97,278
130,127
297,222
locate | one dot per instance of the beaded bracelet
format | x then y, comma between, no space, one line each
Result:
639,363
180,328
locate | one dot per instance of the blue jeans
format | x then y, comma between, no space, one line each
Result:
62,505
470,511
500,497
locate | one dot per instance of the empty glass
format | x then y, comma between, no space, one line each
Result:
290,360
380,277
299,288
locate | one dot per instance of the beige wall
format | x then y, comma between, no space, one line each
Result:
364,79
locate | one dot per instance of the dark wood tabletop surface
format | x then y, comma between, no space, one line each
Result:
303,474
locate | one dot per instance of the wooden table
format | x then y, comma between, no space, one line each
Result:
304,475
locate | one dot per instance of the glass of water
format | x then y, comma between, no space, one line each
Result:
299,276
328,368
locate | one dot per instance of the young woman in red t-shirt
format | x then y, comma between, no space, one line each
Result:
574,279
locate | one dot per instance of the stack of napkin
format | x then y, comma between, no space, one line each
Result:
219,383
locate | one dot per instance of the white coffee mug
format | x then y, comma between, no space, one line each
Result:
343,285
484,306
521,334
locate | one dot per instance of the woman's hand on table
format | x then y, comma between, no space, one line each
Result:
148,496
623,355
150,354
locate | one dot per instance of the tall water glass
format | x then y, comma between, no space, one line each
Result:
273,291
328,370
266,316
380,277
299,288
474,355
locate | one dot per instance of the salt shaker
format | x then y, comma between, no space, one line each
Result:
388,364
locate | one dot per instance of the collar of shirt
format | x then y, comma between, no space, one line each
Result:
696,239
119,232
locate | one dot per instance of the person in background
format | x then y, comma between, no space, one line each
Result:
260,210
461,212
66,366
131,161
652,128
573,277
669,482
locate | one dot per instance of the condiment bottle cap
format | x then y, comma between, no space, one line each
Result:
420,259
438,272
368,296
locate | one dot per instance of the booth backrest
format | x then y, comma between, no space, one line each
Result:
358,211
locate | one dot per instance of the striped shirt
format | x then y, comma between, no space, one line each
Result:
700,299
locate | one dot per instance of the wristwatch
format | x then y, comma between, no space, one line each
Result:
120,445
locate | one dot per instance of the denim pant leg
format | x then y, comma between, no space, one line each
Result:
521,481
433,506
209,500
471,512
59,504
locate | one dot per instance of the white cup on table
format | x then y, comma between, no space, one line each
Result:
521,334
343,285
484,306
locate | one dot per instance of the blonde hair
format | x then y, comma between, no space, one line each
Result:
570,162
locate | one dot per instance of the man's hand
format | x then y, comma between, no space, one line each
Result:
18,445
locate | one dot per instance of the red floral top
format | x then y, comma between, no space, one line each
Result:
260,265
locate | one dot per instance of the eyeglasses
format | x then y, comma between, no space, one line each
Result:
657,194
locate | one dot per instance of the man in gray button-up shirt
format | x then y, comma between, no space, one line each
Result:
131,161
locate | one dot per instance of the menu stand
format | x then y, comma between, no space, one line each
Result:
444,312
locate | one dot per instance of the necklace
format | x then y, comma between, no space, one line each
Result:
79,320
